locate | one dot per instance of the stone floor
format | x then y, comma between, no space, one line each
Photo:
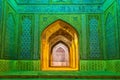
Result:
63,75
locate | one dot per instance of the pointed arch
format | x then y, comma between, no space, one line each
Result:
57,25
60,55
10,37
57,32
110,36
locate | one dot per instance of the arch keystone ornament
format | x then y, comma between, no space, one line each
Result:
59,47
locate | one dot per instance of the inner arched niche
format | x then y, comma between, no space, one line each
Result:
60,55
61,39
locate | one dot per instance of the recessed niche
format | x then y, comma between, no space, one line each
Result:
59,47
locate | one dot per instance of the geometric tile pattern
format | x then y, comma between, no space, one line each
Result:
94,39
26,39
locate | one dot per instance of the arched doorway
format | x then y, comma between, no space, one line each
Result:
59,47
60,55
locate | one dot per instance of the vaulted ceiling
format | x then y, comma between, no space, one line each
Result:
32,2
60,6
